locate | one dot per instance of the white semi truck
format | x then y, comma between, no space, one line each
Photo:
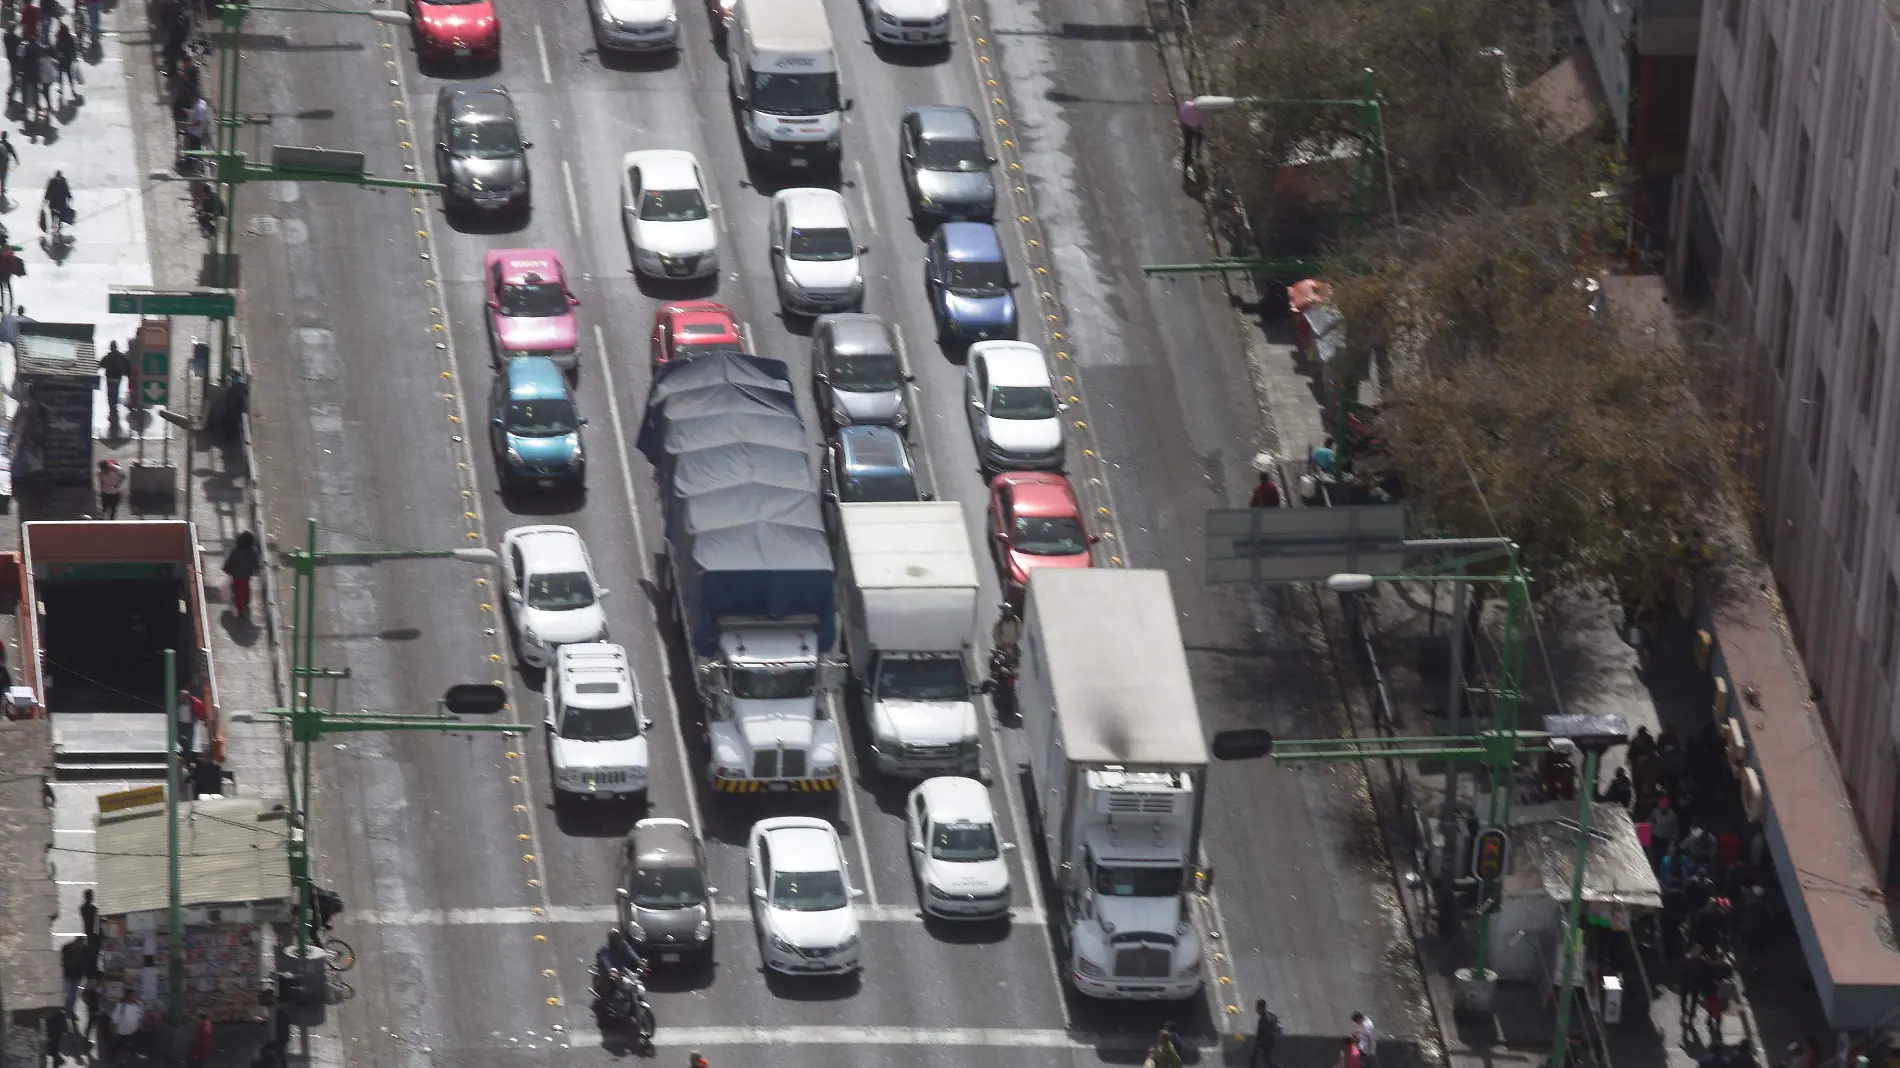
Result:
908,593
1119,763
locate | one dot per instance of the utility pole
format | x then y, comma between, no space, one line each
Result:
175,954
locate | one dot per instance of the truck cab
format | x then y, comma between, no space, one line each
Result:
784,83
1132,935
771,729
597,740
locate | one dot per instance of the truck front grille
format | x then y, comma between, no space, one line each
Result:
1143,962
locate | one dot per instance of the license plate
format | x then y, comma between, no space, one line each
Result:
547,482
914,37
801,163
669,958
462,52
778,787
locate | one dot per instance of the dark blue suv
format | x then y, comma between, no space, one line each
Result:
967,278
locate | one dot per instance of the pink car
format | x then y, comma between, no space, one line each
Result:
530,308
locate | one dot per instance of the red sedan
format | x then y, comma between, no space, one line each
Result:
454,30
684,330
1035,521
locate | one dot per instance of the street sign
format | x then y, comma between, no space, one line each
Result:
212,304
1489,853
154,392
321,161
139,798
1303,544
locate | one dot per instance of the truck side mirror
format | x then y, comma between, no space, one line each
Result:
549,721
620,892
1009,847
758,893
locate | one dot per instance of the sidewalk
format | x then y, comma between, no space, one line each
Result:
137,232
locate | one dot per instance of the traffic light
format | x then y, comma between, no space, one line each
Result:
1488,854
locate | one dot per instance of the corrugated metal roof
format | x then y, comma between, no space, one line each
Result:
55,349
1544,853
230,850
29,966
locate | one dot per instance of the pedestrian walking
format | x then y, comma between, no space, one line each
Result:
66,50
30,21
11,267
1266,1031
56,1037
197,126
202,1043
1349,1056
1193,133
11,39
8,155
1663,826
1364,1037
49,77
128,1022
241,564
89,925
72,972
1266,492
1720,995
1691,979
280,1030
1620,791
191,711
111,487
89,12
51,11
117,365
95,1012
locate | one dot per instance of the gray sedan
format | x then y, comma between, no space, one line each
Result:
946,164
857,378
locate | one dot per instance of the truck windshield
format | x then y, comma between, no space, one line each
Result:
601,724
964,842
774,683
794,94
923,680
1113,881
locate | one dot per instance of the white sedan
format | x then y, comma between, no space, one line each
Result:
815,254
551,595
955,851
667,215
918,23
801,897
636,25
1015,418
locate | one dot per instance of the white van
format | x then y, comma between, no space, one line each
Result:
785,83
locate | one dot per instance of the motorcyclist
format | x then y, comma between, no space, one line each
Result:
618,953
1004,639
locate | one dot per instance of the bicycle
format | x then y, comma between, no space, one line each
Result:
336,991
337,954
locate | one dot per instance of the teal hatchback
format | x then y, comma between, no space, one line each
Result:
534,427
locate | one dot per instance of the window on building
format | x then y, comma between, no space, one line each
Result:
1751,231
1869,381
1798,186
1856,113
1817,417
1823,29
1889,623
1766,77
1835,280
1854,522
1887,216
1784,325
1717,163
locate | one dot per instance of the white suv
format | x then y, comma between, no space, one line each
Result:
801,897
815,254
597,743
551,596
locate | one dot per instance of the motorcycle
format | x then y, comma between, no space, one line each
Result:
1002,681
624,1004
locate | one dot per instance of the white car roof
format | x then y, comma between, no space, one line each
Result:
953,799
1014,363
596,675
549,548
814,208
801,843
664,168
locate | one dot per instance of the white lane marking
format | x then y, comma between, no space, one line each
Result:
850,790
573,202
590,915
998,1037
864,196
541,45
640,547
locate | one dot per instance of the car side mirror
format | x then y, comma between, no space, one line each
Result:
857,893
711,890
515,596
778,250
582,421
977,404
864,250
1062,406
926,496
821,378
572,300
758,893
602,593
908,377
441,146
909,156
832,496
621,892
1014,283
849,104
917,847
987,686
494,305
1009,847
497,421
549,722
527,144
989,159
646,723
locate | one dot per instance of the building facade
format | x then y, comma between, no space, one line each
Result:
1790,190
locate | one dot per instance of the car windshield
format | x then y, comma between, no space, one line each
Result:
532,300
1137,882
774,684
867,372
550,417
794,94
922,680
601,724
829,245
672,205
668,888
1048,536
964,842
809,891
952,156
979,279
1022,402
560,592
879,487
475,137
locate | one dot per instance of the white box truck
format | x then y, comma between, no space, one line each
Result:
1118,758
784,83
909,597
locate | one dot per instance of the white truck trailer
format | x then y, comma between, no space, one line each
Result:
1119,761
909,592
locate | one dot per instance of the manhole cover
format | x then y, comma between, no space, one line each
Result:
263,224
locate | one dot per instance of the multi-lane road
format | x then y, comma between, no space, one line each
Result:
474,902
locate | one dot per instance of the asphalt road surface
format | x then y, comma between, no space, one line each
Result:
474,902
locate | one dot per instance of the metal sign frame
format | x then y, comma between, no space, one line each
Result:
1303,544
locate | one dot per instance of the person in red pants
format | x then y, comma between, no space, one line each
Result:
240,565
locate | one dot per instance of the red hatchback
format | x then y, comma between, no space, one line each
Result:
1035,521
455,30
689,328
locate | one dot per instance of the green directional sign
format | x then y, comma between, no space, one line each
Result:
154,392
210,304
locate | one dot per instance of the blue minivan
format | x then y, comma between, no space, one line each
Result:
967,277
534,427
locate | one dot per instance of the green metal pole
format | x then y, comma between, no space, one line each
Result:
1503,773
175,1007
230,68
1573,915
301,713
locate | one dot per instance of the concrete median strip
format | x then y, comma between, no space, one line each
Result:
604,914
